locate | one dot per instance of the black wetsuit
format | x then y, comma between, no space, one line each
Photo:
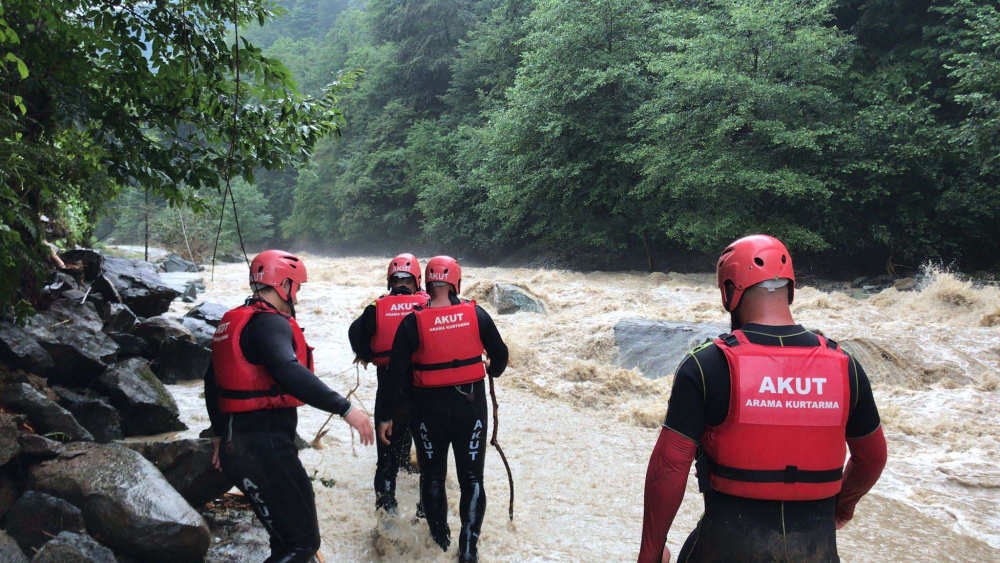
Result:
749,530
258,451
443,416
397,453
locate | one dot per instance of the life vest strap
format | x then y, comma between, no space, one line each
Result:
791,474
244,395
382,354
730,339
448,365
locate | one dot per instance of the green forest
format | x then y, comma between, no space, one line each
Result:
622,134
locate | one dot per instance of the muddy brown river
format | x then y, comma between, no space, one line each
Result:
578,429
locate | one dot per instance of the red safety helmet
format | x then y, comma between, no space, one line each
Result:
405,264
750,261
444,269
273,267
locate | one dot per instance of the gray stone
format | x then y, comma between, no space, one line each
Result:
129,345
20,350
45,415
9,447
238,537
139,285
181,360
508,298
211,313
93,412
10,552
190,294
68,547
175,263
905,284
39,447
201,330
187,465
118,318
90,261
656,348
145,405
9,493
155,330
73,336
125,501
36,517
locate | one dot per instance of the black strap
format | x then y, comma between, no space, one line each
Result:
831,344
385,354
448,365
730,340
790,474
238,395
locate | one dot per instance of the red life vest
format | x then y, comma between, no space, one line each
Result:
389,313
451,352
243,386
784,437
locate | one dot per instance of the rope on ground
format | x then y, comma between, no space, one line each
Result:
317,442
496,444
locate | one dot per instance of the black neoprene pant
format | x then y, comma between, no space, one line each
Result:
264,465
456,417
391,457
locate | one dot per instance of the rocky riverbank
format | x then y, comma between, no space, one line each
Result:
88,471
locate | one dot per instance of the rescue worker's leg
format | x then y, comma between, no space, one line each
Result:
390,459
265,467
469,439
429,424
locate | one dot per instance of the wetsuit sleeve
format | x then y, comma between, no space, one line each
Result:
400,370
492,342
864,418
268,341
215,417
361,332
666,478
686,407
868,458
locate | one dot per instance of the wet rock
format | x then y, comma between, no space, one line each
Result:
129,345
201,330
175,263
103,287
68,547
45,415
20,350
144,404
125,501
36,517
139,285
10,552
72,335
181,281
238,536
93,413
181,360
9,493
905,284
9,447
190,294
155,330
211,313
39,447
90,261
118,318
58,286
508,298
656,348
187,465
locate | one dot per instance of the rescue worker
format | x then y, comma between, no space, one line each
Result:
261,371
439,350
371,339
768,408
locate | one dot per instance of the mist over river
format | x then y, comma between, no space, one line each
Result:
578,429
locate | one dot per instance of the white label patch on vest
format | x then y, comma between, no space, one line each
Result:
220,333
790,391
449,322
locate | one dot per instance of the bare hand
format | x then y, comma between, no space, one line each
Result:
363,363
359,421
666,555
215,454
841,522
384,431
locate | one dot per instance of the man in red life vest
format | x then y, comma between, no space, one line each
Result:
439,348
773,409
262,370
371,339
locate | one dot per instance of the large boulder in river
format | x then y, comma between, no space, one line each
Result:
68,547
44,414
72,334
656,348
181,360
10,552
20,350
144,404
201,330
155,330
187,465
211,313
93,412
139,285
508,298
125,501
37,517
175,263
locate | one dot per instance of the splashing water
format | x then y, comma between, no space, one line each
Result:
579,429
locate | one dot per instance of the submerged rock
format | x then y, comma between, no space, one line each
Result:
68,547
145,405
44,414
10,552
139,285
93,413
187,465
36,517
125,501
73,336
656,348
181,360
508,298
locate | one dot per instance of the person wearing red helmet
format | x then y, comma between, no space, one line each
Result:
437,359
772,410
261,371
371,337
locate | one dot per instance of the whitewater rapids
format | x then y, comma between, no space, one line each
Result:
578,429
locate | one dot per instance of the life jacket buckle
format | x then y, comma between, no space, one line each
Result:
791,474
730,340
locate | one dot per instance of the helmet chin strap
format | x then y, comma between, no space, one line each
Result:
288,299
